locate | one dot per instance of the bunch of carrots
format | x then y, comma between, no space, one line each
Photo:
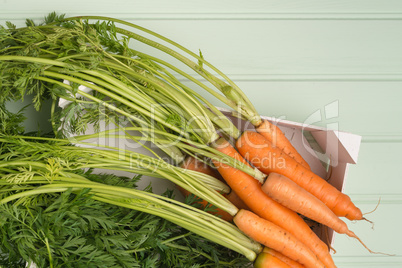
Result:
270,209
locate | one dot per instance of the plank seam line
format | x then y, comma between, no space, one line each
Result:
231,15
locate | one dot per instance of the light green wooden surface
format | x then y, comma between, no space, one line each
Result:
293,58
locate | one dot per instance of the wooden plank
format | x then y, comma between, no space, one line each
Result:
365,108
234,9
376,174
291,50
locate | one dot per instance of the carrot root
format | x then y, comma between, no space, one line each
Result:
364,218
353,235
372,223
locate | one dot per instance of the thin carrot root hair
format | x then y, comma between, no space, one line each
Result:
364,218
372,223
333,249
353,235
378,204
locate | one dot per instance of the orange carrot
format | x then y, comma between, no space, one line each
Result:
289,194
278,139
192,163
197,165
266,260
236,200
267,158
275,237
291,263
249,190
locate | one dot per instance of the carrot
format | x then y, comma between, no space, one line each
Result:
236,200
197,165
289,194
278,139
266,260
291,263
249,190
275,237
193,163
267,158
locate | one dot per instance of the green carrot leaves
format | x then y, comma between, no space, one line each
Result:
70,217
